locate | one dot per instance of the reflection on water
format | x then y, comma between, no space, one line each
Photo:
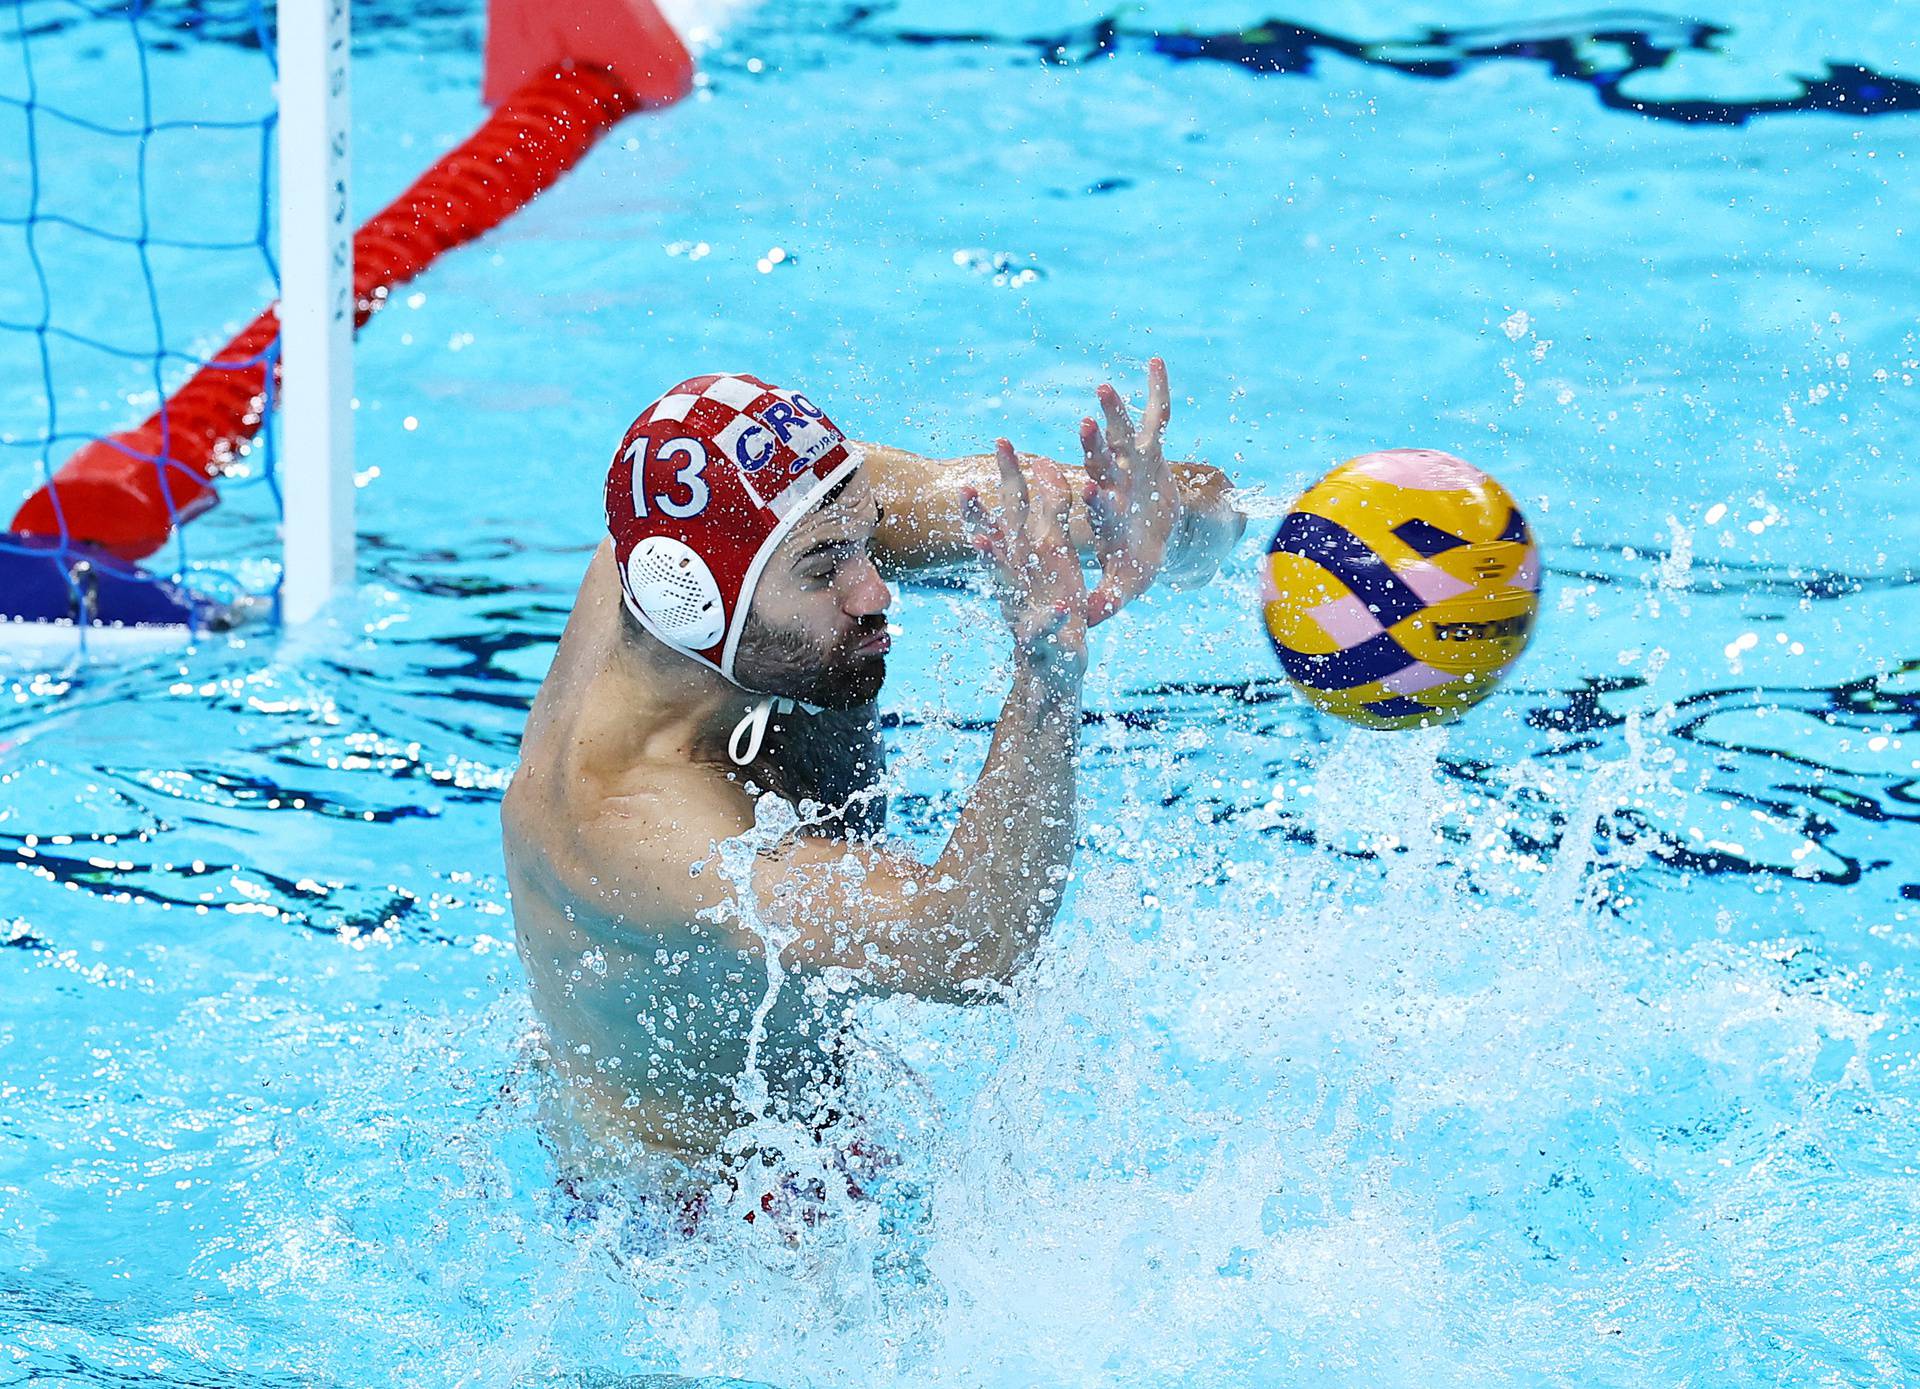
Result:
1604,51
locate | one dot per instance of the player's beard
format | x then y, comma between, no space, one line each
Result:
790,664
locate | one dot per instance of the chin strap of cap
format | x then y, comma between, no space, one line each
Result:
752,730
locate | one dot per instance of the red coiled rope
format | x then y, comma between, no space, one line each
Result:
125,493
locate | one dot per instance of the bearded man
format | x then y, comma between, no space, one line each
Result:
730,640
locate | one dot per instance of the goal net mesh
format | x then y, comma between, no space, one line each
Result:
137,231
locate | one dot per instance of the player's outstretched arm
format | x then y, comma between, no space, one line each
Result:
975,913
924,525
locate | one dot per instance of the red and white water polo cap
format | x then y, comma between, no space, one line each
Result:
706,483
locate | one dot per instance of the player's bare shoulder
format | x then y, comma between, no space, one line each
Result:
606,817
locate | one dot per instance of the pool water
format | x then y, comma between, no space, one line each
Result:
1573,1044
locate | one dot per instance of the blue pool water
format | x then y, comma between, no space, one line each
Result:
1571,1045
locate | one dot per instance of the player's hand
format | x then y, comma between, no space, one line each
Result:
1133,503
1210,526
1036,572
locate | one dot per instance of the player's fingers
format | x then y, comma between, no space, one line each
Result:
1153,422
1010,563
1013,484
1093,452
1055,557
986,534
973,511
1107,518
1098,460
1119,425
991,546
1108,486
992,535
1052,497
981,523
1154,484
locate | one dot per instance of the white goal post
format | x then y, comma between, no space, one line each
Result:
315,462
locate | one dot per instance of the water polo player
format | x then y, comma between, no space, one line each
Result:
730,637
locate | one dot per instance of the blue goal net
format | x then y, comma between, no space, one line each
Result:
137,236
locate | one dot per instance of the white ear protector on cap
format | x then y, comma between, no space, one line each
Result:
679,601
676,593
